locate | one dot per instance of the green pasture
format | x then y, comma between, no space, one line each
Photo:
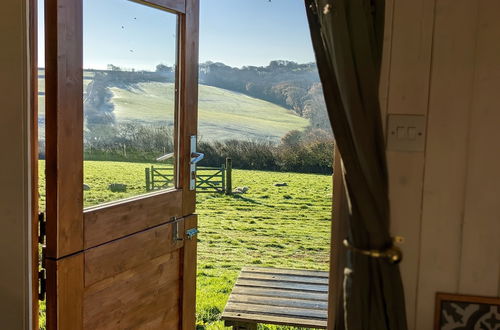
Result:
268,226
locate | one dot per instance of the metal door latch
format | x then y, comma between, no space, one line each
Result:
190,233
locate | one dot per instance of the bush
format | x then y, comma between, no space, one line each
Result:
305,152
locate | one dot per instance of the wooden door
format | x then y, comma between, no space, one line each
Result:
127,264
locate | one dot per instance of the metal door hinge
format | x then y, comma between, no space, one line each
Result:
42,288
42,228
42,274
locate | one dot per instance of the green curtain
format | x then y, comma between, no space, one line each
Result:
347,36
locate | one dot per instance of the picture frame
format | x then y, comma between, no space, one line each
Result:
466,312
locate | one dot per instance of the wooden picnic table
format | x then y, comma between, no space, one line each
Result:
278,296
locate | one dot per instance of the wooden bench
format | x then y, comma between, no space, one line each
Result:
278,296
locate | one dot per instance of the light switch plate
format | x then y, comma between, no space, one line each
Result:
406,133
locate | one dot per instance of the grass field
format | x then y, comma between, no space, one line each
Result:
268,226
223,114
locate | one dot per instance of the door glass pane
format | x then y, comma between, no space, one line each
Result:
130,53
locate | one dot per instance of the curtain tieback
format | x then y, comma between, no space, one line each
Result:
392,254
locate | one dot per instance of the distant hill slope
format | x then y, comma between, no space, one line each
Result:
223,114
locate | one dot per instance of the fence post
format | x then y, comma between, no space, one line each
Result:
229,170
148,179
152,177
223,177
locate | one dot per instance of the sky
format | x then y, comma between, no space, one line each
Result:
235,32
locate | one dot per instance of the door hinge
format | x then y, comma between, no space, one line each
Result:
42,284
42,274
42,228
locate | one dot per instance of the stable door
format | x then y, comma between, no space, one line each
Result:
121,103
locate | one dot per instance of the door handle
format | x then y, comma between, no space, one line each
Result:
196,157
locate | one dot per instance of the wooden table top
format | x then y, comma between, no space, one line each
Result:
279,296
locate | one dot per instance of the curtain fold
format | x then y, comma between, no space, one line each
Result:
347,36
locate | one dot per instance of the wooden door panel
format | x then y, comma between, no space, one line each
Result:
65,292
111,259
136,297
106,223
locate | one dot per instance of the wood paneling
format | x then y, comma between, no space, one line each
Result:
408,61
64,122
140,297
446,153
480,257
118,256
65,291
453,246
105,223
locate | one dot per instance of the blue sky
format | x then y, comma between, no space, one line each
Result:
235,32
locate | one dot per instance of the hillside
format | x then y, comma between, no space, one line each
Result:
223,114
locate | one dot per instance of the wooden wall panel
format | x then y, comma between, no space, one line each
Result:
446,153
480,254
405,81
15,180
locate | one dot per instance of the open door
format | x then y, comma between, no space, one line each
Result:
129,263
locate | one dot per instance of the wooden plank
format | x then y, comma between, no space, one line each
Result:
408,83
146,294
481,220
65,293
118,256
298,272
283,302
188,107
283,278
283,285
189,277
112,221
268,292
243,308
445,159
271,319
64,126
176,6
